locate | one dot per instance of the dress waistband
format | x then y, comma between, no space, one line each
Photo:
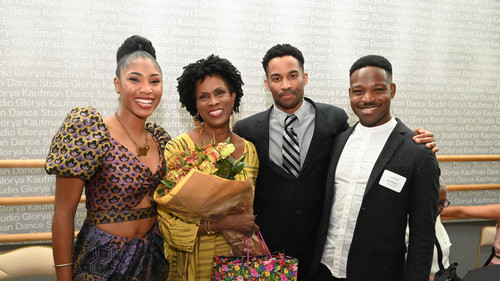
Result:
120,216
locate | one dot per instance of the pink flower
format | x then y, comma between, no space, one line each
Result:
176,164
192,159
266,262
283,277
240,278
211,154
224,267
254,272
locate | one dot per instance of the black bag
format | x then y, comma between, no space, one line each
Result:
445,274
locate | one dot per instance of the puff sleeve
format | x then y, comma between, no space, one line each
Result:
79,145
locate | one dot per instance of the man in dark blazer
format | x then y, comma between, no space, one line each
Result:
373,190
288,208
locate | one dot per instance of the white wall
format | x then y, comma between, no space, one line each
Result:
55,55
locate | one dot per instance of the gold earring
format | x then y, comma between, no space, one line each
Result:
197,123
232,120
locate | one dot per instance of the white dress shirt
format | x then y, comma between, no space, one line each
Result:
303,127
351,177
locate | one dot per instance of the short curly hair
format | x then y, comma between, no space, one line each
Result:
212,65
281,50
372,60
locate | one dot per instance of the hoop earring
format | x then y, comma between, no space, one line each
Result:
197,123
232,120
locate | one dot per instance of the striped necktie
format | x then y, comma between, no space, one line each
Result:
291,155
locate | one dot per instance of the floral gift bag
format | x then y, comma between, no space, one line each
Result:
272,266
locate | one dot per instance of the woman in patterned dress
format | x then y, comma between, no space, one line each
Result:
210,90
119,160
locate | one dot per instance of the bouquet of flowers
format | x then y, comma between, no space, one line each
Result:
200,183
213,159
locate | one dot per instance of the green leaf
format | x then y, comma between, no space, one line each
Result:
242,157
238,168
168,185
225,169
161,191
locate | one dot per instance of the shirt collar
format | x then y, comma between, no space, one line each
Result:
388,126
301,112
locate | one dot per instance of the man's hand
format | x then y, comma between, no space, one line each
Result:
426,137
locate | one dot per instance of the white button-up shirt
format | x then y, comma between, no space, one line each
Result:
351,177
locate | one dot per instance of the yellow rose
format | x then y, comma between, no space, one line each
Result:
207,167
225,149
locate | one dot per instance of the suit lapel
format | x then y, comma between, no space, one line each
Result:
390,147
262,142
339,146
262,134
339,143
317,134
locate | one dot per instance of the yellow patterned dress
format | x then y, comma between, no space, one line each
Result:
190,256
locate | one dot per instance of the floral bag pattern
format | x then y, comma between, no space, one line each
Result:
272,266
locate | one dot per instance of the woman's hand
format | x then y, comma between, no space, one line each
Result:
241,222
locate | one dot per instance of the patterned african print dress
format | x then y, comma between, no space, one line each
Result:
115,183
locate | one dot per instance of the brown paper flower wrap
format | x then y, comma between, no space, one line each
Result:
199,195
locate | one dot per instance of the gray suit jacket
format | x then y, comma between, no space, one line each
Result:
378,247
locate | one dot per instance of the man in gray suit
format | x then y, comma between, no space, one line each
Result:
378,179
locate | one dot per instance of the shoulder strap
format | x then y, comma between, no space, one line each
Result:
439,252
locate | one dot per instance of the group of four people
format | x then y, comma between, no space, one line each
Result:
337,198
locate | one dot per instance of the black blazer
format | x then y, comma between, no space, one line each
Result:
288,209
378,246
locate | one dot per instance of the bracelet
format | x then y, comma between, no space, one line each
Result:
62,265
207,227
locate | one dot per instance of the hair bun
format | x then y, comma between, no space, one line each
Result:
135,43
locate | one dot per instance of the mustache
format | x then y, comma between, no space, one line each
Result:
371,104
288,92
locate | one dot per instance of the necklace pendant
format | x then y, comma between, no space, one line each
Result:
142,150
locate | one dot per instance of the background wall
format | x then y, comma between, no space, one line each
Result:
55,55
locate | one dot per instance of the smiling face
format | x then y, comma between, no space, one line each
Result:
140,87
214,101
370,93
286,81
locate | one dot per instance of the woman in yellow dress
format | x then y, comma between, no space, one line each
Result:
210,89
